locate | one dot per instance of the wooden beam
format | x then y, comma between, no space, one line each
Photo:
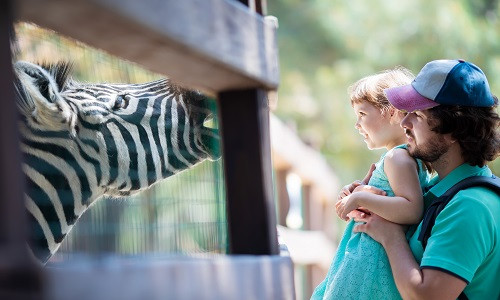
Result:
212,45
244,124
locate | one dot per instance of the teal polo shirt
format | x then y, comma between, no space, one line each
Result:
465,240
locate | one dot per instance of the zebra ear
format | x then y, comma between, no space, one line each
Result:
39,98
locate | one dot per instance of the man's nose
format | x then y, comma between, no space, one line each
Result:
405,123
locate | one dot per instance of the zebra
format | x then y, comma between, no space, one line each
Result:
82,141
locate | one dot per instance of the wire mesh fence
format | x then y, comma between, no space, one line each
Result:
180,215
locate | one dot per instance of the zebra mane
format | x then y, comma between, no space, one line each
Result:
60,71
37,90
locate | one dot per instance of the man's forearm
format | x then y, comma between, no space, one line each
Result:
411,281
405,269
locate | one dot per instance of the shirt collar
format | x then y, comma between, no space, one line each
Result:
461,172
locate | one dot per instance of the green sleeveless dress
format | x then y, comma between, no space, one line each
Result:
361,269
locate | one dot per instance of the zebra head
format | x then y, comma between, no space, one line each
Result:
128,136
82,141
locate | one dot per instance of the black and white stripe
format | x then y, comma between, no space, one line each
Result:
83,141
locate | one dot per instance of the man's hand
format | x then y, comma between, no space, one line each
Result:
348,189
369,174
359,212
378,228
369,189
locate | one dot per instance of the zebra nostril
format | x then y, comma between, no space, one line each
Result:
210,122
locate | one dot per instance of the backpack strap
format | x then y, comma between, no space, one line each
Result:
439,204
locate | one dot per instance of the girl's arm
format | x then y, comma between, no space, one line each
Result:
406,207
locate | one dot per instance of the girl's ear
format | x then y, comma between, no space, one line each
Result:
395,115
387,112
39,98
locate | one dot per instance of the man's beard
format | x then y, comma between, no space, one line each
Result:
431,151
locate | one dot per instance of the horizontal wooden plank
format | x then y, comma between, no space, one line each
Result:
212,45
137,278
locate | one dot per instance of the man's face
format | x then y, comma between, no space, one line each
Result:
423,143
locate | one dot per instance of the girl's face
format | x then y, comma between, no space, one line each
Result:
376,127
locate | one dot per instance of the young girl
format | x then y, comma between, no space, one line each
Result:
360,269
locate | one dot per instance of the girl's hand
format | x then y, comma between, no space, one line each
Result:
345,205
377,227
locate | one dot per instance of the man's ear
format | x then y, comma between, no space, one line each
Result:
39,98
447,137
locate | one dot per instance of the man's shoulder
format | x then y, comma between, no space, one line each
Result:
479,192
477,200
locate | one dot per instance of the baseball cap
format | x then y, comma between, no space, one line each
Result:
448,82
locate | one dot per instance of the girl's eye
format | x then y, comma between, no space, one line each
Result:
121,101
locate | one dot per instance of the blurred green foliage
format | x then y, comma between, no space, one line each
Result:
326,45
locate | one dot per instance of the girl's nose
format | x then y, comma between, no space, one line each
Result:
356,125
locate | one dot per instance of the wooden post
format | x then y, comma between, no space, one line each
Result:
19,277
259,6
244,125
306,206
249,3
283,197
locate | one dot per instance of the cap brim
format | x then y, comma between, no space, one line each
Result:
408,99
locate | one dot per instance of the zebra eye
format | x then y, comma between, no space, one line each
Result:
121,101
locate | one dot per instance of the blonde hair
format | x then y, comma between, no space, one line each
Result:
371,88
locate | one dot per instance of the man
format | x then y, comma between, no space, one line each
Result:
451,123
